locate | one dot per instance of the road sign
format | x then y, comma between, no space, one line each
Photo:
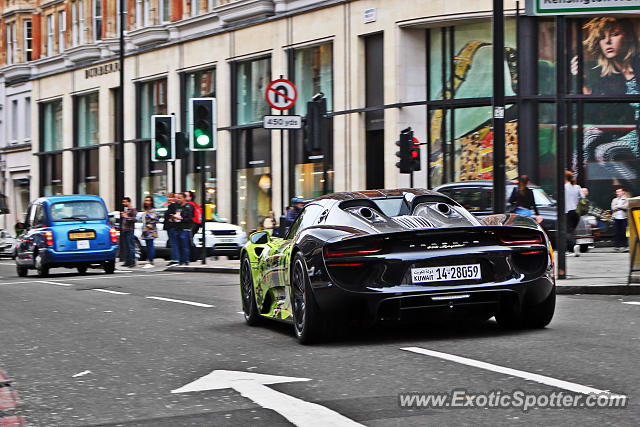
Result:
282,122
281,94
254,386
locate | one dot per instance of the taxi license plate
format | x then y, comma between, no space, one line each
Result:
83,244
78,235
446,273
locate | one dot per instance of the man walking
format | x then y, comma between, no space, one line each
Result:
184,222
619,207
572,194
128,217
172,229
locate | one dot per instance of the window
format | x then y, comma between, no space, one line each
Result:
50,34
139,13
27,118
62,27
74,24
70,211
87,169
314,74
152,100
14,120
97,19
11,43
51,125
253,78
28,40
195,7
165,11
86,120
305,219
81,21
146,6
51,174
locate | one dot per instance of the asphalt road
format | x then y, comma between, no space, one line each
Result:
99,350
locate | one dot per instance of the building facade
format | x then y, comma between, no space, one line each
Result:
380,66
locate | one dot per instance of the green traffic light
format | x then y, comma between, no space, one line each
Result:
162,152
201,137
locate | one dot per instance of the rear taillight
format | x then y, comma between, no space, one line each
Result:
519,238
48,238
360,248
114,236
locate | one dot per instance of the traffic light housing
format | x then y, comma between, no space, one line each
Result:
415,154
163,142
316,125
405,143
203,126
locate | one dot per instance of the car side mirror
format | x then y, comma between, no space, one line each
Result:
260,238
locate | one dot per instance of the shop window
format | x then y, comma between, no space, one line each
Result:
86,120
51,174
51,134
87,171
253,77
313,74
152,100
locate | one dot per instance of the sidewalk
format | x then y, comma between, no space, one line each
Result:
599,271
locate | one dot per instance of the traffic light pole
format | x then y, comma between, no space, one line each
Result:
203,209
499,182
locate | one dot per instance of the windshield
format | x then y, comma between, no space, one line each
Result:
390,207
85,210
540,196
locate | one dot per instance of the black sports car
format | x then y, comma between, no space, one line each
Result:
397,255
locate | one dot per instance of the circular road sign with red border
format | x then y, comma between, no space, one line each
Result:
281,94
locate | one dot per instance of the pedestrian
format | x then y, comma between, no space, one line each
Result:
523,201
572,194
149,229
190,197
296,208
619,207
183,219
128,221
171,228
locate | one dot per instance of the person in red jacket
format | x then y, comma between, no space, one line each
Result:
190,197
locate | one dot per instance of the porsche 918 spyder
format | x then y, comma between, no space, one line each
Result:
395,255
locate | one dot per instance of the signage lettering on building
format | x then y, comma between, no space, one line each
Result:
111,67
580,7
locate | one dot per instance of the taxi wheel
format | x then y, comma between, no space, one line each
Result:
109,267
22,271
82,270
43,270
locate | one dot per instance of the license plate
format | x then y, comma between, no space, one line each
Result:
584,241
446,273
82,235
226,240
83,244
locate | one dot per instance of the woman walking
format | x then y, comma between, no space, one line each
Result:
149,229
523,201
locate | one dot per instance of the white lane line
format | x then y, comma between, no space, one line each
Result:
100,277
632,302
12,264
111,292
578,388
53,283
197,304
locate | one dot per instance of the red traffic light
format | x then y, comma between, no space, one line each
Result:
414,153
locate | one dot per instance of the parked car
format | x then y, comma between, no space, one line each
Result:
7,244
67,231
477,198
221,238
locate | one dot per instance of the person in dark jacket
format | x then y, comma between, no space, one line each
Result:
171,229
522,199
128,220
183,219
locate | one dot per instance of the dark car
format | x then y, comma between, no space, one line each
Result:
393,255
477,198
67,231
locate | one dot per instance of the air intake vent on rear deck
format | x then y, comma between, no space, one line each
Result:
412,222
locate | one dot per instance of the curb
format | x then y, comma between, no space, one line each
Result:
598,289
203,269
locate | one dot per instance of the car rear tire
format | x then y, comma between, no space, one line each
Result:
22,271
584,248
109,267
536,316
307,319
247,291
82,270
41,268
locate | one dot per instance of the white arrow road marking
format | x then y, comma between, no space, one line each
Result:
632,302
253,386
197,304
53,283
578,388
111,292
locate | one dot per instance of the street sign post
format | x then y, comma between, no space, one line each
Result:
282,122
281,94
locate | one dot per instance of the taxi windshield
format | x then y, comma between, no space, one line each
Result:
78,210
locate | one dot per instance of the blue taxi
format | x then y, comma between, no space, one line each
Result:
67,231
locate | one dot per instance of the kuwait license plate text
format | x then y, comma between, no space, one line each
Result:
449,272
